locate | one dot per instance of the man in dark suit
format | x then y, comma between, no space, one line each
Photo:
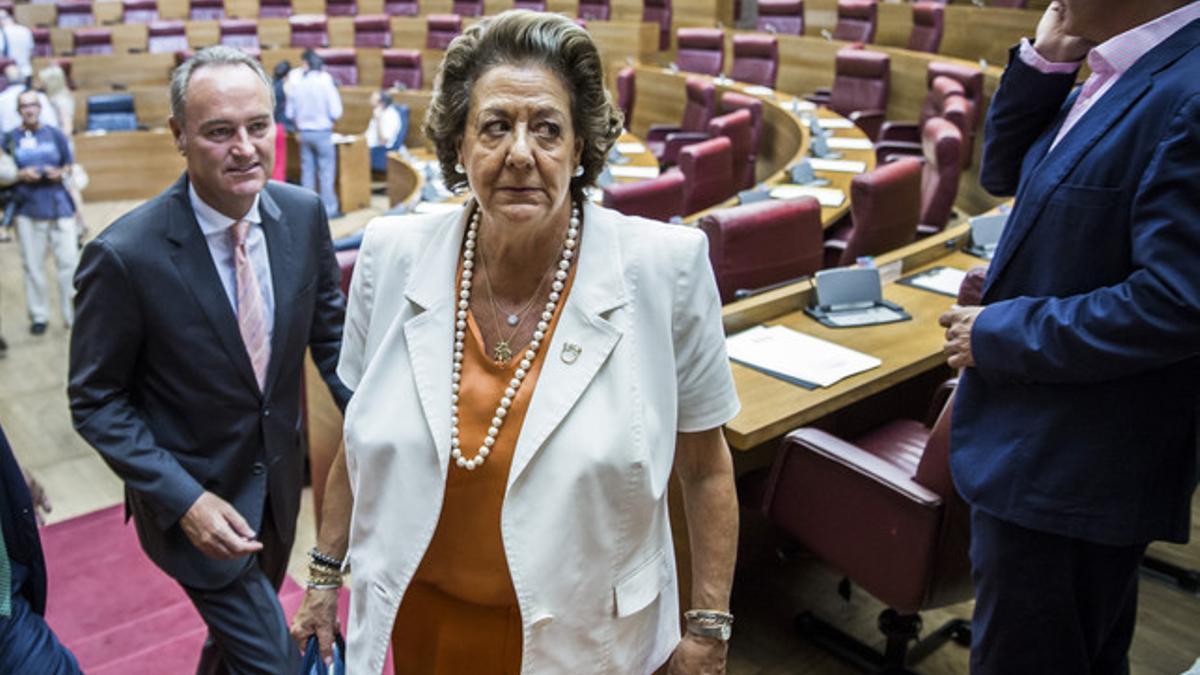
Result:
1074,435
194,314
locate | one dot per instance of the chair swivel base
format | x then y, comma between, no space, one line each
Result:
1186,579
903,647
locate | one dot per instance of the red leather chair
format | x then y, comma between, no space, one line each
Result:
856,21
659,12
139,11
943,145
206,10
468,7
700,50
373,31
781,16
658,198
274,9
928,23
736,127
166,36
309,30
731,101
755,59
882,510
763,243
91,41
241,33
42,47
402,8
664,142
885,205
594,10
972,81
341,8
341,64
74,13
531,5
441,29
861,84
945,99
346,260
707,169
402,66
627,93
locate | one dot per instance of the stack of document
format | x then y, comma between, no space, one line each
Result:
796,357
630,148
831,123
758,90
944,280
628,171
837,165
839,143
828,197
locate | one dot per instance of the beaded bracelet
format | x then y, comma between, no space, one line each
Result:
323,560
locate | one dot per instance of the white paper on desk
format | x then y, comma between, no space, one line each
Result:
341,139
758,90
630,148
627,171
831,197
838,143
837,165
436,207
944,280
793,354
832,123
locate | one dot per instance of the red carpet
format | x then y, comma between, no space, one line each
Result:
118,612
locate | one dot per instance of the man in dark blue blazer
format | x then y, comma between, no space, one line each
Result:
1074,436
194,314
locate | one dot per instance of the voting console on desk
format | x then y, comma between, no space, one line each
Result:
852,296
985,234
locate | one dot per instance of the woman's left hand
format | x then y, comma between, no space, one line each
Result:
698,656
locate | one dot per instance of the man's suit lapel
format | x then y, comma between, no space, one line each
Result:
284,280
582,340
194,261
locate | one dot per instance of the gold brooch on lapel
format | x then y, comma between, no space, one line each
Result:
571,352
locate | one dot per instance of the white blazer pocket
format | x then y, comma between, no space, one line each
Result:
637,589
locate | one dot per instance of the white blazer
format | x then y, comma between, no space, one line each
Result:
584,520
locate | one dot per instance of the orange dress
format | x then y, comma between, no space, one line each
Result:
460,614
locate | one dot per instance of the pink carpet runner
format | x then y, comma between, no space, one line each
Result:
118,612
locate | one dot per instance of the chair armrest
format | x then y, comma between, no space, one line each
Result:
678,141
888,151
819,97
905,132
830,448
659,132
869,121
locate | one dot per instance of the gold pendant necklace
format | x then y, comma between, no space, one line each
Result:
502,353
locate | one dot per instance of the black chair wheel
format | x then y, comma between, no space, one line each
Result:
961,635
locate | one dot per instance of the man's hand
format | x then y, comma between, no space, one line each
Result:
217,529
29,175
41,502
317,616
958,323
698,656
53,174
1055,45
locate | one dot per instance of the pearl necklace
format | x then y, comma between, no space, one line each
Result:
460,335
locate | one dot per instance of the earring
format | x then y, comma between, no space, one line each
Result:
460,168
578,170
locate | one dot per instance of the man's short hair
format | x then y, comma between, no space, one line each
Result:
217,55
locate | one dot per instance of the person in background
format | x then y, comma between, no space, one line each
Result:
17,84
385,127
282,125
45,215
16,43
53,81
313,105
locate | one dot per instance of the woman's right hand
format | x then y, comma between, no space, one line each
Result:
317,616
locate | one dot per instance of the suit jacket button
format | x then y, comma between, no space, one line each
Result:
266,412
258,469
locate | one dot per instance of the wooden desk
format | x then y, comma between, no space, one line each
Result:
128,164
353,179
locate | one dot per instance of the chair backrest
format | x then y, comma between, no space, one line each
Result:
928,22
732,100
402,66
940,90
341,64
309,30
41,42
700,50
594,10
111,112
341,8
373,30
402,8
139,11
91,41
74,13
274,9
862,81
206,10
468,7
626,93
707,168
971,80
942,145
531,5
441,29
781,16
885,205
736,127
658,198
701,104
346,259
659,12
759,244
856,21
166,36
755,59
241,33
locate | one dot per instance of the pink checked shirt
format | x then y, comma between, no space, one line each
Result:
1110,60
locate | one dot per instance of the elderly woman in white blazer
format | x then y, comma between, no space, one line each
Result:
618,376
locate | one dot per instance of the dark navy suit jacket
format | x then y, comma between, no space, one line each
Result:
19,524
1079,418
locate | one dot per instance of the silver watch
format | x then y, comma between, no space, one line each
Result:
709,623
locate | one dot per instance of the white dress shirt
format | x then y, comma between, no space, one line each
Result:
215,227
18,46
313,102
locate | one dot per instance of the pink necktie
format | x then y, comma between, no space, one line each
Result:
251,309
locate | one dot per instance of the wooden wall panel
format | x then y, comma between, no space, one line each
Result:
113,176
